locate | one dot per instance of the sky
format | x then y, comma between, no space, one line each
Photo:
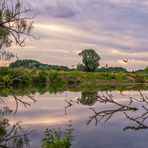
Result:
116,29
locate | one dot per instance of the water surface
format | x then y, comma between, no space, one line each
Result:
101,119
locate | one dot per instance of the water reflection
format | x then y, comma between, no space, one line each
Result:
86,107
88,98
139,104
133,105
107,114
12,136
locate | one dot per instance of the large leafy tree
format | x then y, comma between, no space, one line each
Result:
90,60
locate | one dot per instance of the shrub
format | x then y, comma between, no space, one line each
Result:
54,77
42,77
5,80
120,76
53,138
5,71
139,78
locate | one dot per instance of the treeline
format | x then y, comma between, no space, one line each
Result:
38,65
41,66
111,69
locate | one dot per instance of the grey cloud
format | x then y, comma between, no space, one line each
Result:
56,8
121,19
62,11
127,20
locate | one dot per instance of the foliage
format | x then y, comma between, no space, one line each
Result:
80,67
112,69
53,75
42,77
55,139
34,76
15,26
90,60
146,69
88,98
5,71
14,22
139,78
36,64
11,135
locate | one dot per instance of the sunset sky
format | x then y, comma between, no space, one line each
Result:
116,29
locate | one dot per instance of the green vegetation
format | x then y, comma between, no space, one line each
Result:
11,135
90,60
88,98
112,69
57,138
89,90
38,65
11,76
14,24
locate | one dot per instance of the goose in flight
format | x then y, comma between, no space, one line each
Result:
125,60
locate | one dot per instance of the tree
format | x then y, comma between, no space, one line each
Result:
14,23
15,26
90,60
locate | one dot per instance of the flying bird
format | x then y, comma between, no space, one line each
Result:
125,60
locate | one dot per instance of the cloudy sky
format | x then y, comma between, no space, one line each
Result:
116,29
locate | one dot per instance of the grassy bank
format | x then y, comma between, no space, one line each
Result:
10,76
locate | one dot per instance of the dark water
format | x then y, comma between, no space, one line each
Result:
100,119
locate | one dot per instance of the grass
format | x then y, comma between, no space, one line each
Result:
34,76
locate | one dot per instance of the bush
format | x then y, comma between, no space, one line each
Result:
42,77
139,78
120,76
57,139
5,71
5,80
54,77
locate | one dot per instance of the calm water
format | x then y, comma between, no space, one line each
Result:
100,119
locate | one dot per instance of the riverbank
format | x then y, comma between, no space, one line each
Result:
9,76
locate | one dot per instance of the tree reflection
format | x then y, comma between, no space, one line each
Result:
88,98
135,110
134,104
107,114
17,97
69,104
11,136
139,120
